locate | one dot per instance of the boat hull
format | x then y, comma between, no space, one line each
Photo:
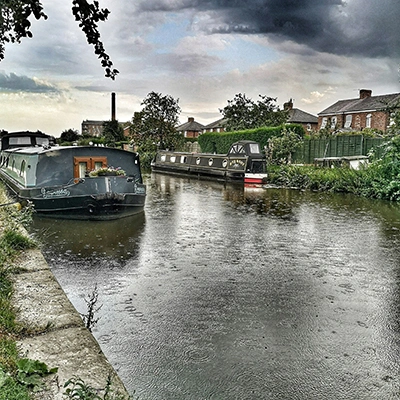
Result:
60,182
100,198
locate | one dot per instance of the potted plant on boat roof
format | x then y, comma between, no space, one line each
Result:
107,171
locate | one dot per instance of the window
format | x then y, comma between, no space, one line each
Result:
254,148
237,149
324,122
369,120
349,119
22,140
22,170
42,141
84,164
333,122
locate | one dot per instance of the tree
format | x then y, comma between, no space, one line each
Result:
69,135
15,25
112,131
157,121
281,148
243,113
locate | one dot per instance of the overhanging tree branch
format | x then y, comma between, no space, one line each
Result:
15,25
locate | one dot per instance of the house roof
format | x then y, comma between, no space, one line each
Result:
371,103
299,116
190,126
217,124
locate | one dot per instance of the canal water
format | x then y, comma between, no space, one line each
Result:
217,292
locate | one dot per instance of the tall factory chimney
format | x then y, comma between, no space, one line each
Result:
113,107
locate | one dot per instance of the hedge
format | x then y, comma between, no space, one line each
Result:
220,143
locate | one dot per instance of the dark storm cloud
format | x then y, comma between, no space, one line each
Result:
16,83
352,27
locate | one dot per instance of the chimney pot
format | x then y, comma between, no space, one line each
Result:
364,93
288,106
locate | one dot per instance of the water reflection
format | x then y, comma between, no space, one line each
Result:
224,293
88,239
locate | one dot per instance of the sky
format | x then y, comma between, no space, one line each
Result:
202,53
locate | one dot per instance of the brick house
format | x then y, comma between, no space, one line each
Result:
190,129
366,111
216,126
297,116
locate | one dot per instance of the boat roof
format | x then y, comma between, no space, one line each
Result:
41,150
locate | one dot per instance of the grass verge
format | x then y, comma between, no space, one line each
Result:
12,242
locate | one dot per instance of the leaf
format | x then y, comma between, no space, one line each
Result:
34,367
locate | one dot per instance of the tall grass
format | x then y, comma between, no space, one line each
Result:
380,179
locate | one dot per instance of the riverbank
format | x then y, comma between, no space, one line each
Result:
58,336
50,329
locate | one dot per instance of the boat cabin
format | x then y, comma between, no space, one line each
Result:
15,140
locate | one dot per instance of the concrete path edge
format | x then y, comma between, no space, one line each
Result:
56,333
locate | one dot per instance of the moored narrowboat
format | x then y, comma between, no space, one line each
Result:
74,182
243,163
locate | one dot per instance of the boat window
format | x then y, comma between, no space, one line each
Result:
83,167
254,148
183,159
237,149
173,158
22,170
17,141
42,141
84,164
13,165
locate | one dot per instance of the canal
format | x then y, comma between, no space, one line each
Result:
216,292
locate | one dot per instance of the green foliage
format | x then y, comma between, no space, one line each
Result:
281,148
77,389
30,373
112,132
13,240
147,149
8,348
69,135
213,142
15,24
380,179
157,121
243,113
10,389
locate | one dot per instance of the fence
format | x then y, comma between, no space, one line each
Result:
338,146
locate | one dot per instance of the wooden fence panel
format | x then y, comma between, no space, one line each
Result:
338,146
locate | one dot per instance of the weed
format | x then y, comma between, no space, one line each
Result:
77,389
30,373
92,308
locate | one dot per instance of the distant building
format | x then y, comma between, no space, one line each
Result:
217,126
190,129
366,111
297,116
92,128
